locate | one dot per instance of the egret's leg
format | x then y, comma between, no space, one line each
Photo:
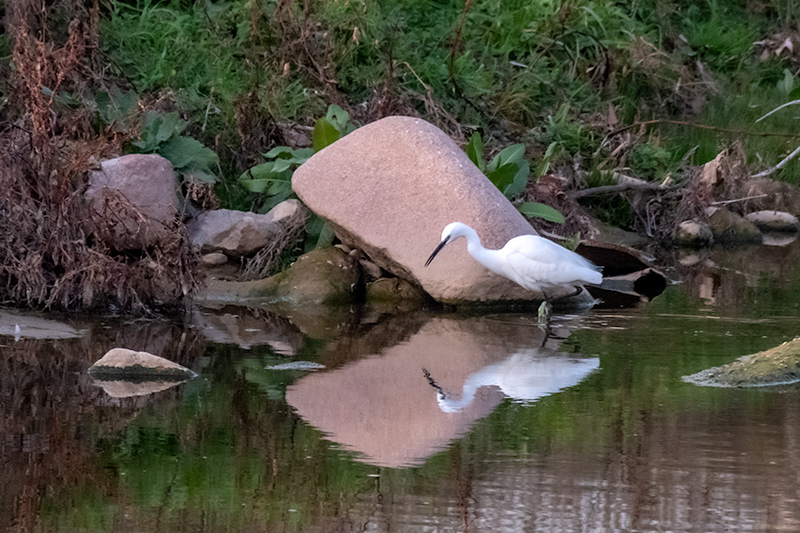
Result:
578,290
545,310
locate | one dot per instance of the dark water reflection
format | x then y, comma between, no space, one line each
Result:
611,440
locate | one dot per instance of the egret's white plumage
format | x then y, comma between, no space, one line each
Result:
533,262
525,376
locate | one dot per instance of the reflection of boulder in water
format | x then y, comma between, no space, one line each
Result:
525,377
248,327
383,408
735,272
124,373
127,388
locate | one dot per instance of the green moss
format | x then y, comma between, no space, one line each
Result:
776,366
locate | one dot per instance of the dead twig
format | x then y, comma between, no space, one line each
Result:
787,104
779,165
726,202
621,187
701,126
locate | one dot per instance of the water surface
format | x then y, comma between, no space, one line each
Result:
419,421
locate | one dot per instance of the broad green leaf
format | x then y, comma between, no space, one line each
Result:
276,198
258,186
795,94
301,155
262,171
280,188
551,149
520,180
318,233
503,177
786,85
188,152
324,134
338,118
199,176
475,151
282,164
535,209
510,154
285,156
326,235
279,151
542,168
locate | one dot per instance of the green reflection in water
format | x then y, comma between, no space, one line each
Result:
230,455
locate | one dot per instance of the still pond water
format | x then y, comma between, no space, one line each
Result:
418,421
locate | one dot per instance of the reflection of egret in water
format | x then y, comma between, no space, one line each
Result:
525,377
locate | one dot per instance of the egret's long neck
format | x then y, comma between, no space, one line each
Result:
489,258
471,386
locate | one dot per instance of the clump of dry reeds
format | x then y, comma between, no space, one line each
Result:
48,257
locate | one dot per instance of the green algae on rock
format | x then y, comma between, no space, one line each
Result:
776,366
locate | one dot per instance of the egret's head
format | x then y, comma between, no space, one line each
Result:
451,232
446,404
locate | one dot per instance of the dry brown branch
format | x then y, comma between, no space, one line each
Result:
49,256
264,262
701,126
620,187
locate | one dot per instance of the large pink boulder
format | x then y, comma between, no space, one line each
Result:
132,200
392,186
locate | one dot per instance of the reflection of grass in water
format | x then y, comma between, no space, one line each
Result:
228,443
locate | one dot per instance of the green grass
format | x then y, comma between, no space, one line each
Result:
237,67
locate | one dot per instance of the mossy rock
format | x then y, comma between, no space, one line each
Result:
322,276
731,228
395,289
776,366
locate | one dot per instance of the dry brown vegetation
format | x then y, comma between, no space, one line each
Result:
48,259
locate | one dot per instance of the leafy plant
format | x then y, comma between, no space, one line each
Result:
162,134
649,160
115,107
509,171
273,179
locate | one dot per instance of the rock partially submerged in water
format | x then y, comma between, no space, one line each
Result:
776,366
126,389
776,221
731,228
693,234
22,326
297,365
392,186
322,276
124,364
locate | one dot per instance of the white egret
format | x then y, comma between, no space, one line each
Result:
533,262
525,377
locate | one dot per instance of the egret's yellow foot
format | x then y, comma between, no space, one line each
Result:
544,312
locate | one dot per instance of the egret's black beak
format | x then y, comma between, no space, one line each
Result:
437,250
